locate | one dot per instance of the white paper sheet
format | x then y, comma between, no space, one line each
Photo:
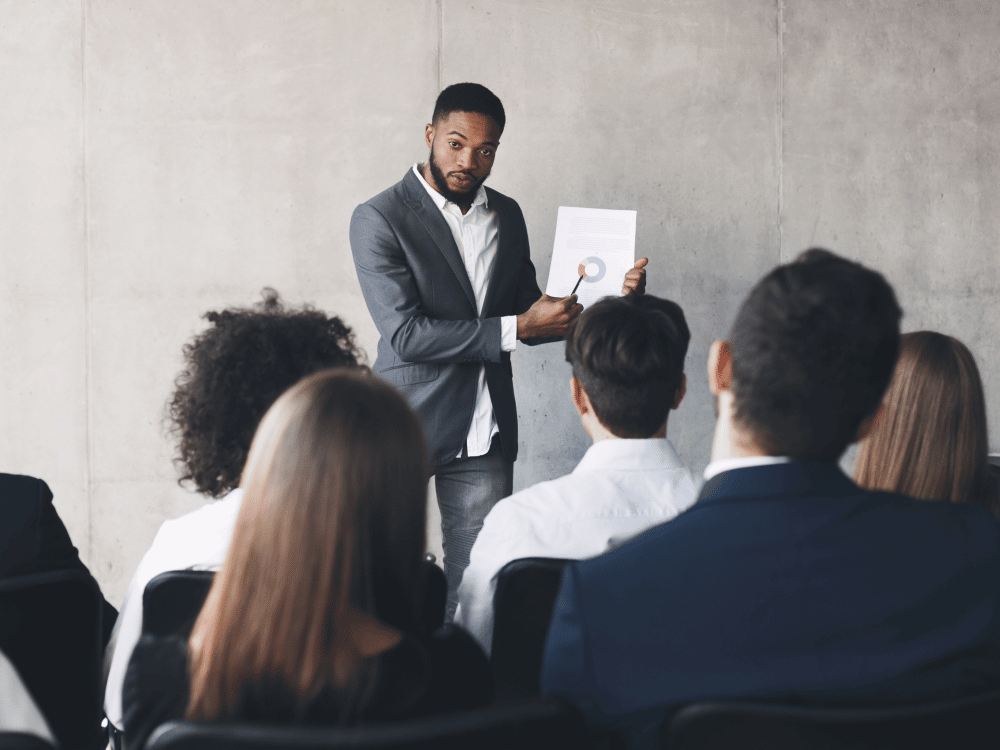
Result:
599,239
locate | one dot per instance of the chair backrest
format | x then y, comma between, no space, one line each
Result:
522,608
539,724
23,741
967,723
172,600
435,597
50,629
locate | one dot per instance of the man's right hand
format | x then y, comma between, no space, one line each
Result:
548,317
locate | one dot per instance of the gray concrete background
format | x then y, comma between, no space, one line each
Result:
160,159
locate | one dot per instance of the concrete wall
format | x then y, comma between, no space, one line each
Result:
162,158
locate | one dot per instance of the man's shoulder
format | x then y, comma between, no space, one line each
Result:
496,198
18,485
543,499
392,197
512,520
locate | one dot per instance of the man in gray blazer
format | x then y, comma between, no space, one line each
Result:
444,267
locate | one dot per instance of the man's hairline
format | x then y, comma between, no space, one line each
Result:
443,115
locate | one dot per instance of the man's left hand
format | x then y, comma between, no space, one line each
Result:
635,280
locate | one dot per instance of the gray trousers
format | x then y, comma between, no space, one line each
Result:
467,488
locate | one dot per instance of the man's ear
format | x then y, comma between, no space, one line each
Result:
720,367
679,395
579,397
871,422
429,134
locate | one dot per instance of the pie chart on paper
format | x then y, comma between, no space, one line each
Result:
592,269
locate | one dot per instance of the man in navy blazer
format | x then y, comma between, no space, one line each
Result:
445,270
785,581
33,538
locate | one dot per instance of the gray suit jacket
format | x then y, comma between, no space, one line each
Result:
433,339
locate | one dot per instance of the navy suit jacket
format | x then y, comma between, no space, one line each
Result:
33,538
432,338
786,583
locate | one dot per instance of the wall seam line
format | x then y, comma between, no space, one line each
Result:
780,134
88,337
440,49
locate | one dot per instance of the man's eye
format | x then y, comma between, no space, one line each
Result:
486,152
454,144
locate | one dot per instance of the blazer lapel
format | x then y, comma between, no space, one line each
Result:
424,209
504,265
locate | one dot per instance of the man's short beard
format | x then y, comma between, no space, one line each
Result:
466,196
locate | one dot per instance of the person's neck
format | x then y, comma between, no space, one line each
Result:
729,440
599,432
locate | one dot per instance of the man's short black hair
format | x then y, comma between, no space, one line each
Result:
813,349
628,354
469,97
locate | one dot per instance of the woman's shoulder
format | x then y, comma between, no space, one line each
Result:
453,642
460,676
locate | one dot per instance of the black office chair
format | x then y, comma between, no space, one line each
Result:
23,741
50,629
522,608
172,600
968,724
435,596
540,724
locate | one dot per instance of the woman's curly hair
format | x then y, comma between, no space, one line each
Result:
234,371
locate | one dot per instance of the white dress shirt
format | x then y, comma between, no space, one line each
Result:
198,540
18,712
477,235
619,489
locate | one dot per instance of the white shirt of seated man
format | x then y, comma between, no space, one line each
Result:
198,540
620,488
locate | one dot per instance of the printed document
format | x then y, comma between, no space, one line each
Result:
595,247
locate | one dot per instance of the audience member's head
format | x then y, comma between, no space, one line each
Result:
326,550
469,97
809,356
930,438
234,370
627,355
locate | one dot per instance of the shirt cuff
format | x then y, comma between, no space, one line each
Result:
508,333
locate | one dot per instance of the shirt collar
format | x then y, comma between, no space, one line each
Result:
630,454
742,462
440,201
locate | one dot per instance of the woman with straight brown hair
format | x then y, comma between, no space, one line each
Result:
313,618
930,436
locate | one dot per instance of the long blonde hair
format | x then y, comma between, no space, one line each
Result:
332,522
931,441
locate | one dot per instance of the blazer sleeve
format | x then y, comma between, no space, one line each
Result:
528,291
391,293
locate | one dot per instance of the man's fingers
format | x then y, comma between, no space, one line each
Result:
641,262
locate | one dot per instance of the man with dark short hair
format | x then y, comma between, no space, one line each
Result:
444,267
786,581
627,355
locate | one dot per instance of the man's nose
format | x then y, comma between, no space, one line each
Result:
466,159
